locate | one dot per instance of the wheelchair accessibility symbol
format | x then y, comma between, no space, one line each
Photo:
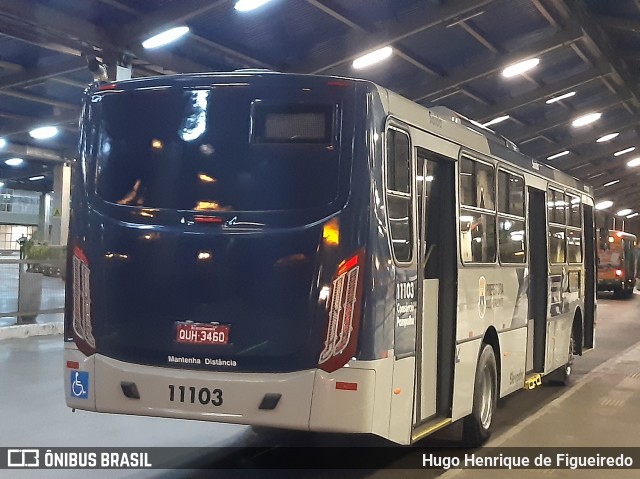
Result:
80,384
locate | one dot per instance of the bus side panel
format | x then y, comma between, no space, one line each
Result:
558,336
465,372
513,354
400,420
343,400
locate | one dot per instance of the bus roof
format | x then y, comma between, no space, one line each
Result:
460,129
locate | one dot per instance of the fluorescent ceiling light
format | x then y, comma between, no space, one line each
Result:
520,67
497,120
13,161
611,183
586,119
561,97
1,183
373,57
558,155
36,178
626,150
3,142
248,5
43,132
633,215
633,163
165,37
624,212
604,204
608,137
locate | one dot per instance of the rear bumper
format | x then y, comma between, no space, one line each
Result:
615,284
189,394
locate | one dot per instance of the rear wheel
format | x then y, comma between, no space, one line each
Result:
485,396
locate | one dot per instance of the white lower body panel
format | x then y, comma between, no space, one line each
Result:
310,399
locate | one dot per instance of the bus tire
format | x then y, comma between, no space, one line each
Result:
477,425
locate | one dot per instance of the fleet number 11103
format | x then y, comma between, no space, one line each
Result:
191,394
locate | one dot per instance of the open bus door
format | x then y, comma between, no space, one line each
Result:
437,275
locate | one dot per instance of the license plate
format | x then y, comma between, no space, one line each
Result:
199,333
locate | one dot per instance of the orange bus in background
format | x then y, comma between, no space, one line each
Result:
616,262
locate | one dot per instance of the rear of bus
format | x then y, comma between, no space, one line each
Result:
616,262
217,249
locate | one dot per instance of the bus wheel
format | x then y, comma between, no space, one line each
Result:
476,429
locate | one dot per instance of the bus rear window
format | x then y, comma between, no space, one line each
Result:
204,150
291,123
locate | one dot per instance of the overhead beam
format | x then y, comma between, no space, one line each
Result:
567,117
346,49
38,99
175,14
618,23
602,151
38,75
627,178
35,152
433,89
26,126
588,136
540,94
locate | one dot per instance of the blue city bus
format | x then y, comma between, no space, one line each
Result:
315,253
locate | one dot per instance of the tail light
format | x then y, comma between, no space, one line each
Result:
82,327
343,316
618,272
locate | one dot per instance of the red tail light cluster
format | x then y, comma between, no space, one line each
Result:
618,272
343,319
82,327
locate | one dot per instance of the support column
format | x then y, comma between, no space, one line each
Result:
44,219
60,204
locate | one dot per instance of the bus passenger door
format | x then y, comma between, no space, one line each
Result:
537,317
437,272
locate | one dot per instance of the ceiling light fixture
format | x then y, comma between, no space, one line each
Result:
497,120
558,155
164,38
520,67
611,183
36,178
626,150
586,119
608,137
632,215
604,204
633,163
561,97
373,57
248,5
624,212
14,161
43,132
3,143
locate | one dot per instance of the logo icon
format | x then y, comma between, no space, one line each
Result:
80,384
482,299
23,458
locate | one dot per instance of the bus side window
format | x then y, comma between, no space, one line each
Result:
477,211
399,194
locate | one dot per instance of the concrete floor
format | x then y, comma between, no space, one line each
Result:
600,408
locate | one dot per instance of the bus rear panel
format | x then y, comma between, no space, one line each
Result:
217,252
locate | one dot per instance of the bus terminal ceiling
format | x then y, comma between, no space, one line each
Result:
446,52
